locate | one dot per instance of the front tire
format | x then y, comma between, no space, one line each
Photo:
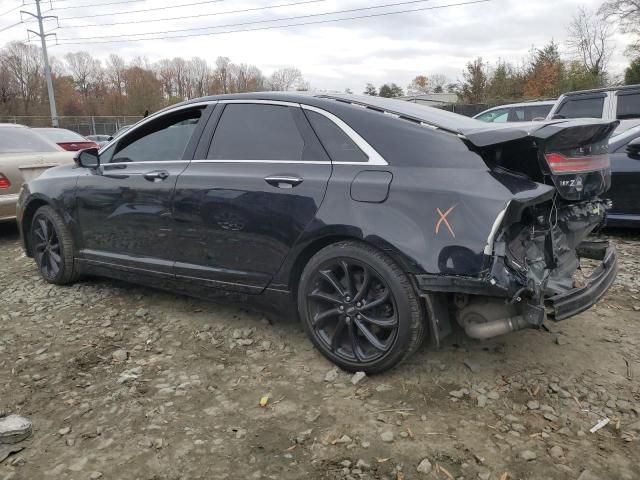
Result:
359,308
52,246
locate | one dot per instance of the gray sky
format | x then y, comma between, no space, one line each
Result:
392,48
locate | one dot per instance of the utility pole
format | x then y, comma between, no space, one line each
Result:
47,69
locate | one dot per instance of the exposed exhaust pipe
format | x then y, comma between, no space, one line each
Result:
494,328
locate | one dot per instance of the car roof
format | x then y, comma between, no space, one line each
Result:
601,90
329,101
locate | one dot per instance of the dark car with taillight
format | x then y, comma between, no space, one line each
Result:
67,139
624,152
378,223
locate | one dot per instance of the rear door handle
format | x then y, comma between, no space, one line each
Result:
283,181
156,175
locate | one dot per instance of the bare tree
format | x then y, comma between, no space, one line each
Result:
23,62
285,79
198,74
627,12
590,40
115,68
85,70
437,81
180,74
222,74
164,71
246,78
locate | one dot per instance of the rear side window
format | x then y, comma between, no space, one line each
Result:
257,132
495,116
24,140
582,108
628,106
530,113
337,143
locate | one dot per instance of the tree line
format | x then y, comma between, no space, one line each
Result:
84,85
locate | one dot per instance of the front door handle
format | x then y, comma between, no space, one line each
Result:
283,181
156,175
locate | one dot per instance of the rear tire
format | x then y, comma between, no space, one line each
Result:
52,246
359,308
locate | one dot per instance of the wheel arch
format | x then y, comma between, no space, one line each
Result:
311,247
27,218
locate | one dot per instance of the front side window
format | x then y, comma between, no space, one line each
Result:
628,106
337,143
258,132
164,139
581,108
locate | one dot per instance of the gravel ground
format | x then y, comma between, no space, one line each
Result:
123,382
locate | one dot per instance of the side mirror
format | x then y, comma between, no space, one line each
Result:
557,116
88,158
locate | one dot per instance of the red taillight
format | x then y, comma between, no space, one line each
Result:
4,182
561,164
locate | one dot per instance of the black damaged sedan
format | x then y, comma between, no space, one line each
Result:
379,223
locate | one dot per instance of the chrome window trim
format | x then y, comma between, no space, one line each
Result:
262,102
154,116
300,162
114,164
374,157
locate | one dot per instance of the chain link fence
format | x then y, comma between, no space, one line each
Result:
84,125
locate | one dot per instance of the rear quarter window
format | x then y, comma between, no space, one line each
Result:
337,144
628,106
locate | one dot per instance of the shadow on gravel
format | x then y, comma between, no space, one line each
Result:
8,231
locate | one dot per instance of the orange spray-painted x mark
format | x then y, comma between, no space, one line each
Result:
443,219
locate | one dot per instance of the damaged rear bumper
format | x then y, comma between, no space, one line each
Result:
566,305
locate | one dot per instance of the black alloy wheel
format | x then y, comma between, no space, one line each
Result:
46,247
352,310
359,308
52,247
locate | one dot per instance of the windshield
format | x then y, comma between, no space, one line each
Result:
60,135
24,140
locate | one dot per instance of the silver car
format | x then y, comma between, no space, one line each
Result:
24,155
517,112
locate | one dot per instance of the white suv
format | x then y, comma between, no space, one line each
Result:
615,103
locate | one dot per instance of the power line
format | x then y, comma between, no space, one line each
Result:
96,4
10,26
245,10
255,22
146,9
272,27
13,9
